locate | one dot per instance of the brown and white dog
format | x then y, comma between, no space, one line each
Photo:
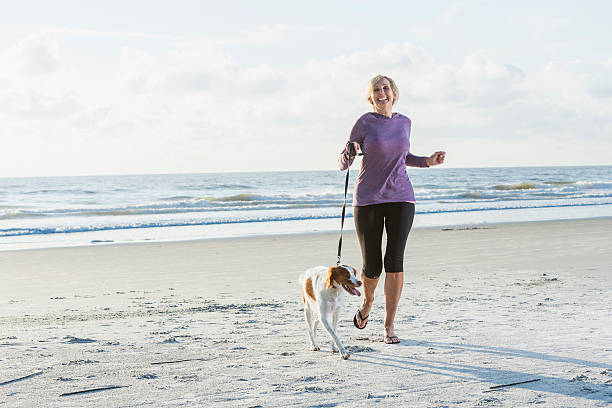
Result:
323,293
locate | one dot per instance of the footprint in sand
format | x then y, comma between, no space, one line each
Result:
359,349
77,340
580,377
80,362
147,377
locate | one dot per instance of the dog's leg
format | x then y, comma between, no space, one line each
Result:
334,325
328,326
312,326
315,325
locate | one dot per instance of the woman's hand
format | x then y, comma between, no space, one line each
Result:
355,146
436,158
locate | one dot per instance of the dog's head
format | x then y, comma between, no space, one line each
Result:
345,276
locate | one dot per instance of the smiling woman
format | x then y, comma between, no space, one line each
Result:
381,91
384,197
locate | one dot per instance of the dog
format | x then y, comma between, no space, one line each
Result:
323,293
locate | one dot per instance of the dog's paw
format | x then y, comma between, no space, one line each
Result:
316,348
346,356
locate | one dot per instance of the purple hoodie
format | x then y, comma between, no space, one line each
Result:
385,143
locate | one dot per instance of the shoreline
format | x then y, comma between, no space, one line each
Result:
347,229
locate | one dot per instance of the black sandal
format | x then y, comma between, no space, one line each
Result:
391,339
363,319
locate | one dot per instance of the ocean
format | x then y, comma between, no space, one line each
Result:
96,210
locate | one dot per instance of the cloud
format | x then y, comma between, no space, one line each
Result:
596,77
194,107
33,55
34,82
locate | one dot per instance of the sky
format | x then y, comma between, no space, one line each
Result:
138,87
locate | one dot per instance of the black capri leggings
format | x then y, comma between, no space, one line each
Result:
397,219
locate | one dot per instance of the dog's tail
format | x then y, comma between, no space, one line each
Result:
302,279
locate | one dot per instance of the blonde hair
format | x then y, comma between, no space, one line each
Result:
373,82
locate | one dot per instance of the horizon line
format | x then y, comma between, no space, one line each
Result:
287,171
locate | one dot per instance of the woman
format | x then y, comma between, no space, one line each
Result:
383,198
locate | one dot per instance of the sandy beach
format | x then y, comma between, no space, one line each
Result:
220,323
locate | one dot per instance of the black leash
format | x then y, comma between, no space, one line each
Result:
346,183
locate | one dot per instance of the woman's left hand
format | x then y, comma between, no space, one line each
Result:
436,158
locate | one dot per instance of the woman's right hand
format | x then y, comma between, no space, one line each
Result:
356,148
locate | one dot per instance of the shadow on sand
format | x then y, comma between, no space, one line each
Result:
580,386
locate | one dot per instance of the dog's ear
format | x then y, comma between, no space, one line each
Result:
333,275
352,268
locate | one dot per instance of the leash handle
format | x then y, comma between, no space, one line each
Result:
346,183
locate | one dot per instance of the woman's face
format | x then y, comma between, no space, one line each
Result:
382,95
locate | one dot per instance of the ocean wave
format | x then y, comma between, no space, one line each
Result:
18,213
471,195
184,204
229,186
195,206
177,198
11,232
506,195
252,202
60,191
65,229
603,184
235,197
521,186
559,183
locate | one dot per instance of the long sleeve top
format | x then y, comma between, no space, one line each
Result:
385,143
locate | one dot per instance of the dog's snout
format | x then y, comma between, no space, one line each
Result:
358,283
